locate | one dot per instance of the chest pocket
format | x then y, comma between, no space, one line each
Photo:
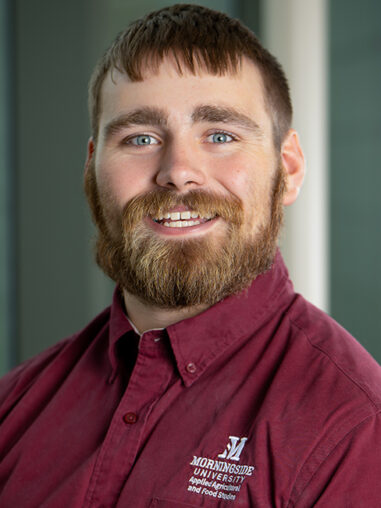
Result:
163,503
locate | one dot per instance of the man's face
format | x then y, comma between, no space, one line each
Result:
191,159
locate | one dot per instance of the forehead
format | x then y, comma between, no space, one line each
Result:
179,92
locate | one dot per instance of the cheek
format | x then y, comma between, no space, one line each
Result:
247,182
234,175
251,181
118,183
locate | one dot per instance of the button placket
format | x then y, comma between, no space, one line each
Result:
148,382
130,417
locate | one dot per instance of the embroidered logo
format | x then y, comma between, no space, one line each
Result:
234,448
219,478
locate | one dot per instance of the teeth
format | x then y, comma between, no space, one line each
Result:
181,223
185,216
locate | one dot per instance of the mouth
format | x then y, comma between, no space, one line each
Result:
182,219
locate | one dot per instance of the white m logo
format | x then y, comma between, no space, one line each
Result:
234,448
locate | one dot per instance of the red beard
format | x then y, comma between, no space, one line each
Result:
173,273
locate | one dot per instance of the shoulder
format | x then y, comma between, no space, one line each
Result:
332,412
20,379
340,352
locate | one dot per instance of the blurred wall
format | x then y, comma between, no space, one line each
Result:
296,32
355,113
7,205
52,253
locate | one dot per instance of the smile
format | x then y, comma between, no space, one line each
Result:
184,219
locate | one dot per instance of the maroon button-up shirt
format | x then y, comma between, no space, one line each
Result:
261,400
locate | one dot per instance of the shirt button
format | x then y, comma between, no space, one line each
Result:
130,418
191,368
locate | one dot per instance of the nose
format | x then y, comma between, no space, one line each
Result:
181,168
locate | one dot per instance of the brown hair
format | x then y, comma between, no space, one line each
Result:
197,37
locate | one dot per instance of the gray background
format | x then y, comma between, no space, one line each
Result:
355,176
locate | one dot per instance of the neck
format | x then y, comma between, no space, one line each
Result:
147,317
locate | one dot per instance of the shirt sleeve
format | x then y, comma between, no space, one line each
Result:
17,382
349,477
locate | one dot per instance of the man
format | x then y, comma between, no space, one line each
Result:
208,382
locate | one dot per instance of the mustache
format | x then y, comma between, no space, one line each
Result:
160,201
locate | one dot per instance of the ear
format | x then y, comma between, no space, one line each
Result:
90,153
294,166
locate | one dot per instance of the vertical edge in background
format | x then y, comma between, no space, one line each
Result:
8,217
296,32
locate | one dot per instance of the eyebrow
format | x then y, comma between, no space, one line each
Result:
158,117
224,114
140,116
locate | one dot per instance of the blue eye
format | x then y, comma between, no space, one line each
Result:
143,140
221,137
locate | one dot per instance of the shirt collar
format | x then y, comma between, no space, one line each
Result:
199,340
